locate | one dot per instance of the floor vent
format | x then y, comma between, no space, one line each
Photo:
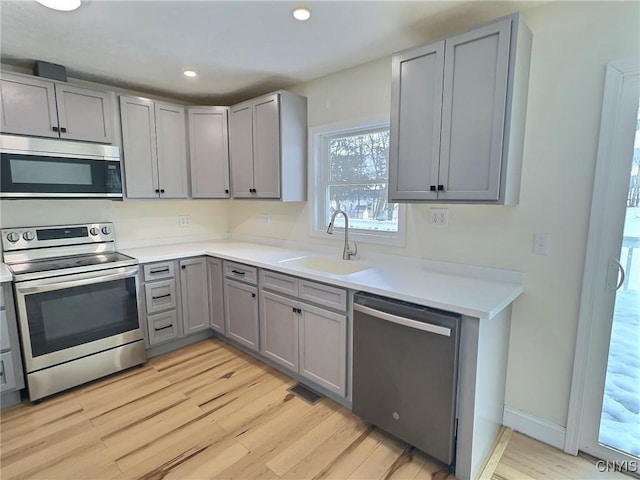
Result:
305,393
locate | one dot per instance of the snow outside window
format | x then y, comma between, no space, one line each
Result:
351,166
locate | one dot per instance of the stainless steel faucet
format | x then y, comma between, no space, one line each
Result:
347,252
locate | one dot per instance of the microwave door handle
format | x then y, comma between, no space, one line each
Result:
56,284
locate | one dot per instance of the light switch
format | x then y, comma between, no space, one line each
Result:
541,244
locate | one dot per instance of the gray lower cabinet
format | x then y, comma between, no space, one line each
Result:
303,326
241,304
457,116
216,294
279,329
39,107
161,305
323,347
195,295
11,374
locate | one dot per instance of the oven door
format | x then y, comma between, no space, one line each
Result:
68,317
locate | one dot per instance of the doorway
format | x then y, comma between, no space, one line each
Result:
604,418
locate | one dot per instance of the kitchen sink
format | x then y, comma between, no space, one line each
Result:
327,265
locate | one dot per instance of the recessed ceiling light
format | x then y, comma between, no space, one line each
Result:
62,5
301,14
190,73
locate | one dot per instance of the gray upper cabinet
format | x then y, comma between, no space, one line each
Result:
43,108
209,152
267,147
458,111
195,295
154,147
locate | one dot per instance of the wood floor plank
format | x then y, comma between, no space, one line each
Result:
318,459
287,459
210,411
353,456
378,464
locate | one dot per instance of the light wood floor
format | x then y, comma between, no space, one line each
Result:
209,411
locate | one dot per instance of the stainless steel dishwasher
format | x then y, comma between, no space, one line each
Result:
405,371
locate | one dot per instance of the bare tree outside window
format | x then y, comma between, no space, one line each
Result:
358,181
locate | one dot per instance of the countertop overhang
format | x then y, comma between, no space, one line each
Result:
468,290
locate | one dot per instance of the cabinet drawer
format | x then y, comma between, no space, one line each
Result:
158,271
279,282
7,373
160,296
5,341
321,294
241,272
162,327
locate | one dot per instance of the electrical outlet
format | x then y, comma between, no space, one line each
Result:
184,220
440,217
264,219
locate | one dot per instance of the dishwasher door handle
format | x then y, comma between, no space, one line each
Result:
425,327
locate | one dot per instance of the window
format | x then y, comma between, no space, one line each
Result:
351,164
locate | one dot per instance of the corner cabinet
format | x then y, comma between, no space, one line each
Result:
209,152
268,147
457,116
154,148
39,107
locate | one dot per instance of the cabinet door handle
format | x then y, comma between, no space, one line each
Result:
162,190
160,270
63,129
183,266
238,272
162,328
432,188
440,188
55,129
226,190
162,296
253,295
157,190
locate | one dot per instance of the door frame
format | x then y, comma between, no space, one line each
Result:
617,74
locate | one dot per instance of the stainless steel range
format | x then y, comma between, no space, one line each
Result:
77,304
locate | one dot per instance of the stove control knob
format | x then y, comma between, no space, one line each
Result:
13,237
28,236
94,231
106,230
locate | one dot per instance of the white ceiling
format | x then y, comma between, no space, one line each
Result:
239,48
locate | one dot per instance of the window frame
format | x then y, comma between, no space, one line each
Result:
319,179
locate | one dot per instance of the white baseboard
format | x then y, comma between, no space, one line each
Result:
534,427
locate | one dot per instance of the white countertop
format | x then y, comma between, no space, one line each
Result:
5,274
474,291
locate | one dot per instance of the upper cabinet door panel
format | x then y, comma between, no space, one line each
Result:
266,147
473,112
241,149
172,151
28,106
209,152
84,114
139,147
416,97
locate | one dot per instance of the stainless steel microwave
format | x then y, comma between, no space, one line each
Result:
45,168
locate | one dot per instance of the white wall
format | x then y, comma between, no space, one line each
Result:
134,219
572,43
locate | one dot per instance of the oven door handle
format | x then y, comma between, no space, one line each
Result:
57,284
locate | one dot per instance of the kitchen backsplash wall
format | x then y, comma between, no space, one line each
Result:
572,43
134,219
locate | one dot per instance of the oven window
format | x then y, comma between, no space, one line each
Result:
68,317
